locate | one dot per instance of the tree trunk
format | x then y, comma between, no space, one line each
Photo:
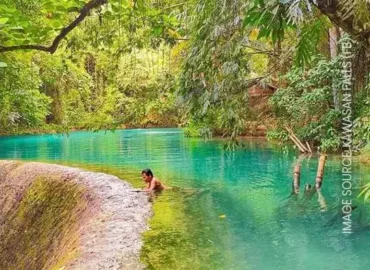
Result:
302,148
334,35
361,69
338,14
320,171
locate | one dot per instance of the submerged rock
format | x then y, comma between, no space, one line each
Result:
56,217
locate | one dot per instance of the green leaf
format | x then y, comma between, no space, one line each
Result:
3,20
367,195
3,65
48,5
61,8
157,31
365,189
56,24
16,28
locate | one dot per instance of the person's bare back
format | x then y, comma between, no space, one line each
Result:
153,184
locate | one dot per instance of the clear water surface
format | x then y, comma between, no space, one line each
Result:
234,209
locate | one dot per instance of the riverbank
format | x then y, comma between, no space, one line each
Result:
66,218
57,129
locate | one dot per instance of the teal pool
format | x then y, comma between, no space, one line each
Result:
234,211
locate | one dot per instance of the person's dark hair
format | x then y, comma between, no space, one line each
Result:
148,172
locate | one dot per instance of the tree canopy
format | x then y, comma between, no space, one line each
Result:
102,64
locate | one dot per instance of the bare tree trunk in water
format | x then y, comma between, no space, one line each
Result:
320,171
297,175
334,35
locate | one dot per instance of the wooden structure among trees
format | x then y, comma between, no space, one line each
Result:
261,91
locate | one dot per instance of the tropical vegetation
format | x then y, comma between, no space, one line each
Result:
106,64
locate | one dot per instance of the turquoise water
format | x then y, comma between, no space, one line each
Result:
234,212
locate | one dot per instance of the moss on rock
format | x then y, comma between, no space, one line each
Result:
41,227
57,217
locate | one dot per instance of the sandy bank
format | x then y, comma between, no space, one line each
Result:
56,217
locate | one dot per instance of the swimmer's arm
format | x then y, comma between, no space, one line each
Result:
151,186
163,186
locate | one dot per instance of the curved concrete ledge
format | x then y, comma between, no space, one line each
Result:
96,223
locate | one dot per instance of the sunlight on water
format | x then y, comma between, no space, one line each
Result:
233,211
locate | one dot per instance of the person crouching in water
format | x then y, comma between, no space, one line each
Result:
153,184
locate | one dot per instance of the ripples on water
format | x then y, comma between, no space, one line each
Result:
234,211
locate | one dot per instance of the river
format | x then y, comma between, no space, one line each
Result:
233,210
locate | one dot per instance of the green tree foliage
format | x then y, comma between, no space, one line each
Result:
215,72
35,22
22,104
105,74
278,21
274,18
138,63
305,104
144,77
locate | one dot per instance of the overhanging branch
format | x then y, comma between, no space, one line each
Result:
335,11
65,31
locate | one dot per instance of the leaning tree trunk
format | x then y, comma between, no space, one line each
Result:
341,17
320,171
297,175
